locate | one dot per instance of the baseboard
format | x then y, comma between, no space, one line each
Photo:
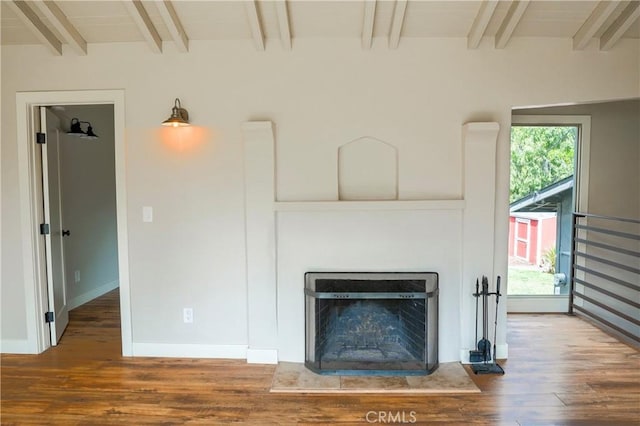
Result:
502,353
262,356
10,346
90,295
188,350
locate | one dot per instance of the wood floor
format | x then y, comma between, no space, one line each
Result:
561,371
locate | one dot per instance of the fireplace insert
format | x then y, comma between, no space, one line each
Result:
371,323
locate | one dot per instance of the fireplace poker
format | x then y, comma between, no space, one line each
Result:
477,295
495,328
484,345
475,355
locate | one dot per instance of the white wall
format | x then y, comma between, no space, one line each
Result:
89,205
320,95
420,241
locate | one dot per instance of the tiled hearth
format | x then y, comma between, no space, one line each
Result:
450,377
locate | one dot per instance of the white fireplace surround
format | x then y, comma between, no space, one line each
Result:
454,238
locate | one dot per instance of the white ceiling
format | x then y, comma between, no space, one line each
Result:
288,20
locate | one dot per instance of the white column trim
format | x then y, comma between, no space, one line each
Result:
478,240
260,237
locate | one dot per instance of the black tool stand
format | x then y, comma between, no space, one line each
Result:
487,368
483,351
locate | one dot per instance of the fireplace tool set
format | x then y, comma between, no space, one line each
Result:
481,359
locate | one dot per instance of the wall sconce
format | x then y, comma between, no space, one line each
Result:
76,129
179,116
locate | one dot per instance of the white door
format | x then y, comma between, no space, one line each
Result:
54,240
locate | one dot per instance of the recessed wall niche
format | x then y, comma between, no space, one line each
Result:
367,170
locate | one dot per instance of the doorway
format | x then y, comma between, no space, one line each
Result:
30,169
80,206
549,169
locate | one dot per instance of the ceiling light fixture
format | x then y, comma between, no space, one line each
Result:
75,129
179,116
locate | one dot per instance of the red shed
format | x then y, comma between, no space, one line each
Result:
530,236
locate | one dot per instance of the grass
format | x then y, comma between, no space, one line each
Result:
529,282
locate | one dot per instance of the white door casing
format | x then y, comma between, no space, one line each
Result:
30,179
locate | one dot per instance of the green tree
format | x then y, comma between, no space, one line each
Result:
540,156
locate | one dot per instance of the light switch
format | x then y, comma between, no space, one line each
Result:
147,214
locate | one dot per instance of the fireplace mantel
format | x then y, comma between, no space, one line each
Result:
285,239
301,206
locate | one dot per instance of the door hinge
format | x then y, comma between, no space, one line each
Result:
48,317
41,138
44,229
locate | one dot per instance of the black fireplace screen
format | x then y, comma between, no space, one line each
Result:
371,323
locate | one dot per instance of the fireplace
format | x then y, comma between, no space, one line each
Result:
371,323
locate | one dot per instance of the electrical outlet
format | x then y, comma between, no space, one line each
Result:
187,315
76,276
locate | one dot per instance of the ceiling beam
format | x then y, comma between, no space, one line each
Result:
146,27
397,23
510,22
481,22
594,22
367,26
61,23
620,25
31,20
254,24
171,20
283,23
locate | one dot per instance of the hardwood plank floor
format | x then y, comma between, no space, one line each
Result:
561,371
